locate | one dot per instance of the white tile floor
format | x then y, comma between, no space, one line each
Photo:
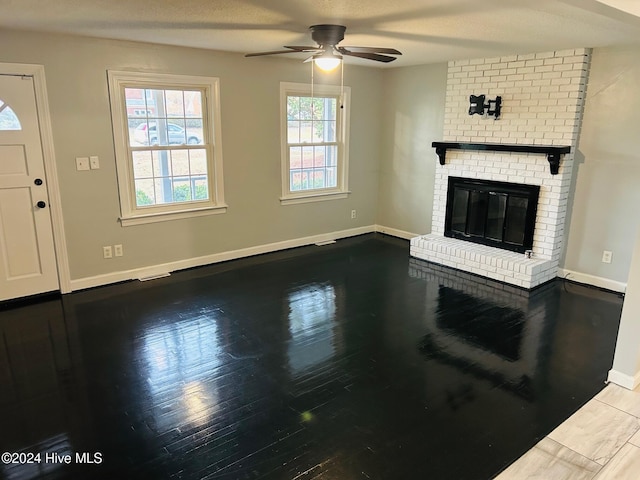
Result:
601,441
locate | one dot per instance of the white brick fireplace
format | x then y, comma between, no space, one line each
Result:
542,101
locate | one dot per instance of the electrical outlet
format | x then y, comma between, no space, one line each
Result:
107,252
353,214
117,250
606,256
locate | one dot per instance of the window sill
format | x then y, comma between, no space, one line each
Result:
314,197
175,215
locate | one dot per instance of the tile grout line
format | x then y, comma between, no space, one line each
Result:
620,410
577,453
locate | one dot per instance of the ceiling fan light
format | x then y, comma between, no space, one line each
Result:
327,63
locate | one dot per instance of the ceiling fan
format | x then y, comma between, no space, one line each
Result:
328,54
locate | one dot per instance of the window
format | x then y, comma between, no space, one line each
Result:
315,137
8,118
168,148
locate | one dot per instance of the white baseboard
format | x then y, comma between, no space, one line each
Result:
599,282
163,269
624,380
395,232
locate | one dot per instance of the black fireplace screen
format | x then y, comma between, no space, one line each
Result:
497,214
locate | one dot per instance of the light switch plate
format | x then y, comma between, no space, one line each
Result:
82,163
94,161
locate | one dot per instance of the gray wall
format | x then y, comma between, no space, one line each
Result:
626,361
413,118
395,115
75,70
604,210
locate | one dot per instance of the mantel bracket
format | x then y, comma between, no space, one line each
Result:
442,154
554,162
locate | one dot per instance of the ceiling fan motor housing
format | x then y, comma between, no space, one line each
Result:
325,34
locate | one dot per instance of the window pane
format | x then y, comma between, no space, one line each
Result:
175,103
307,157
8,118
180,162
331,176
305,108
198,162
295,157
319,156
293,131
145,193
136,103
304,180
193,104
331,155
142,167
318,178
293,108
324,131
305,132
200,188
181,190
296,180
195,131
161,164
159,132
164,190
318,108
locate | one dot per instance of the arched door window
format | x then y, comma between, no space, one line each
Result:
8,118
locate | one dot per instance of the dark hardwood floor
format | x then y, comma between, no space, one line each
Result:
347,361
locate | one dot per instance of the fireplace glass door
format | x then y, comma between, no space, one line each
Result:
497,214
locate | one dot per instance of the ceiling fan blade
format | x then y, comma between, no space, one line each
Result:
369,56
388,51
305,49
275,52
292,49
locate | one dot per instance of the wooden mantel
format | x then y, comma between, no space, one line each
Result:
552,152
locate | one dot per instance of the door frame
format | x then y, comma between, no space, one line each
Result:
48,155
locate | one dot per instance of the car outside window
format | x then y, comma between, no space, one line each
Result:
168,147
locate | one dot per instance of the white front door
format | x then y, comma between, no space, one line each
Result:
27,254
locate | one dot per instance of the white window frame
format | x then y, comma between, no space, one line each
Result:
341,190
131,214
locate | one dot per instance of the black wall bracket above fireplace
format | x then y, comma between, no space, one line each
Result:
552,152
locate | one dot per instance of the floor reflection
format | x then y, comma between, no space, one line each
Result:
494,328
43,405
180,361
312,320
487,339
346,361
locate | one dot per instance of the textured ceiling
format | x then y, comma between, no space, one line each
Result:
426,31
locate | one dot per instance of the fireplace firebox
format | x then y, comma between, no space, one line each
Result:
496,214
